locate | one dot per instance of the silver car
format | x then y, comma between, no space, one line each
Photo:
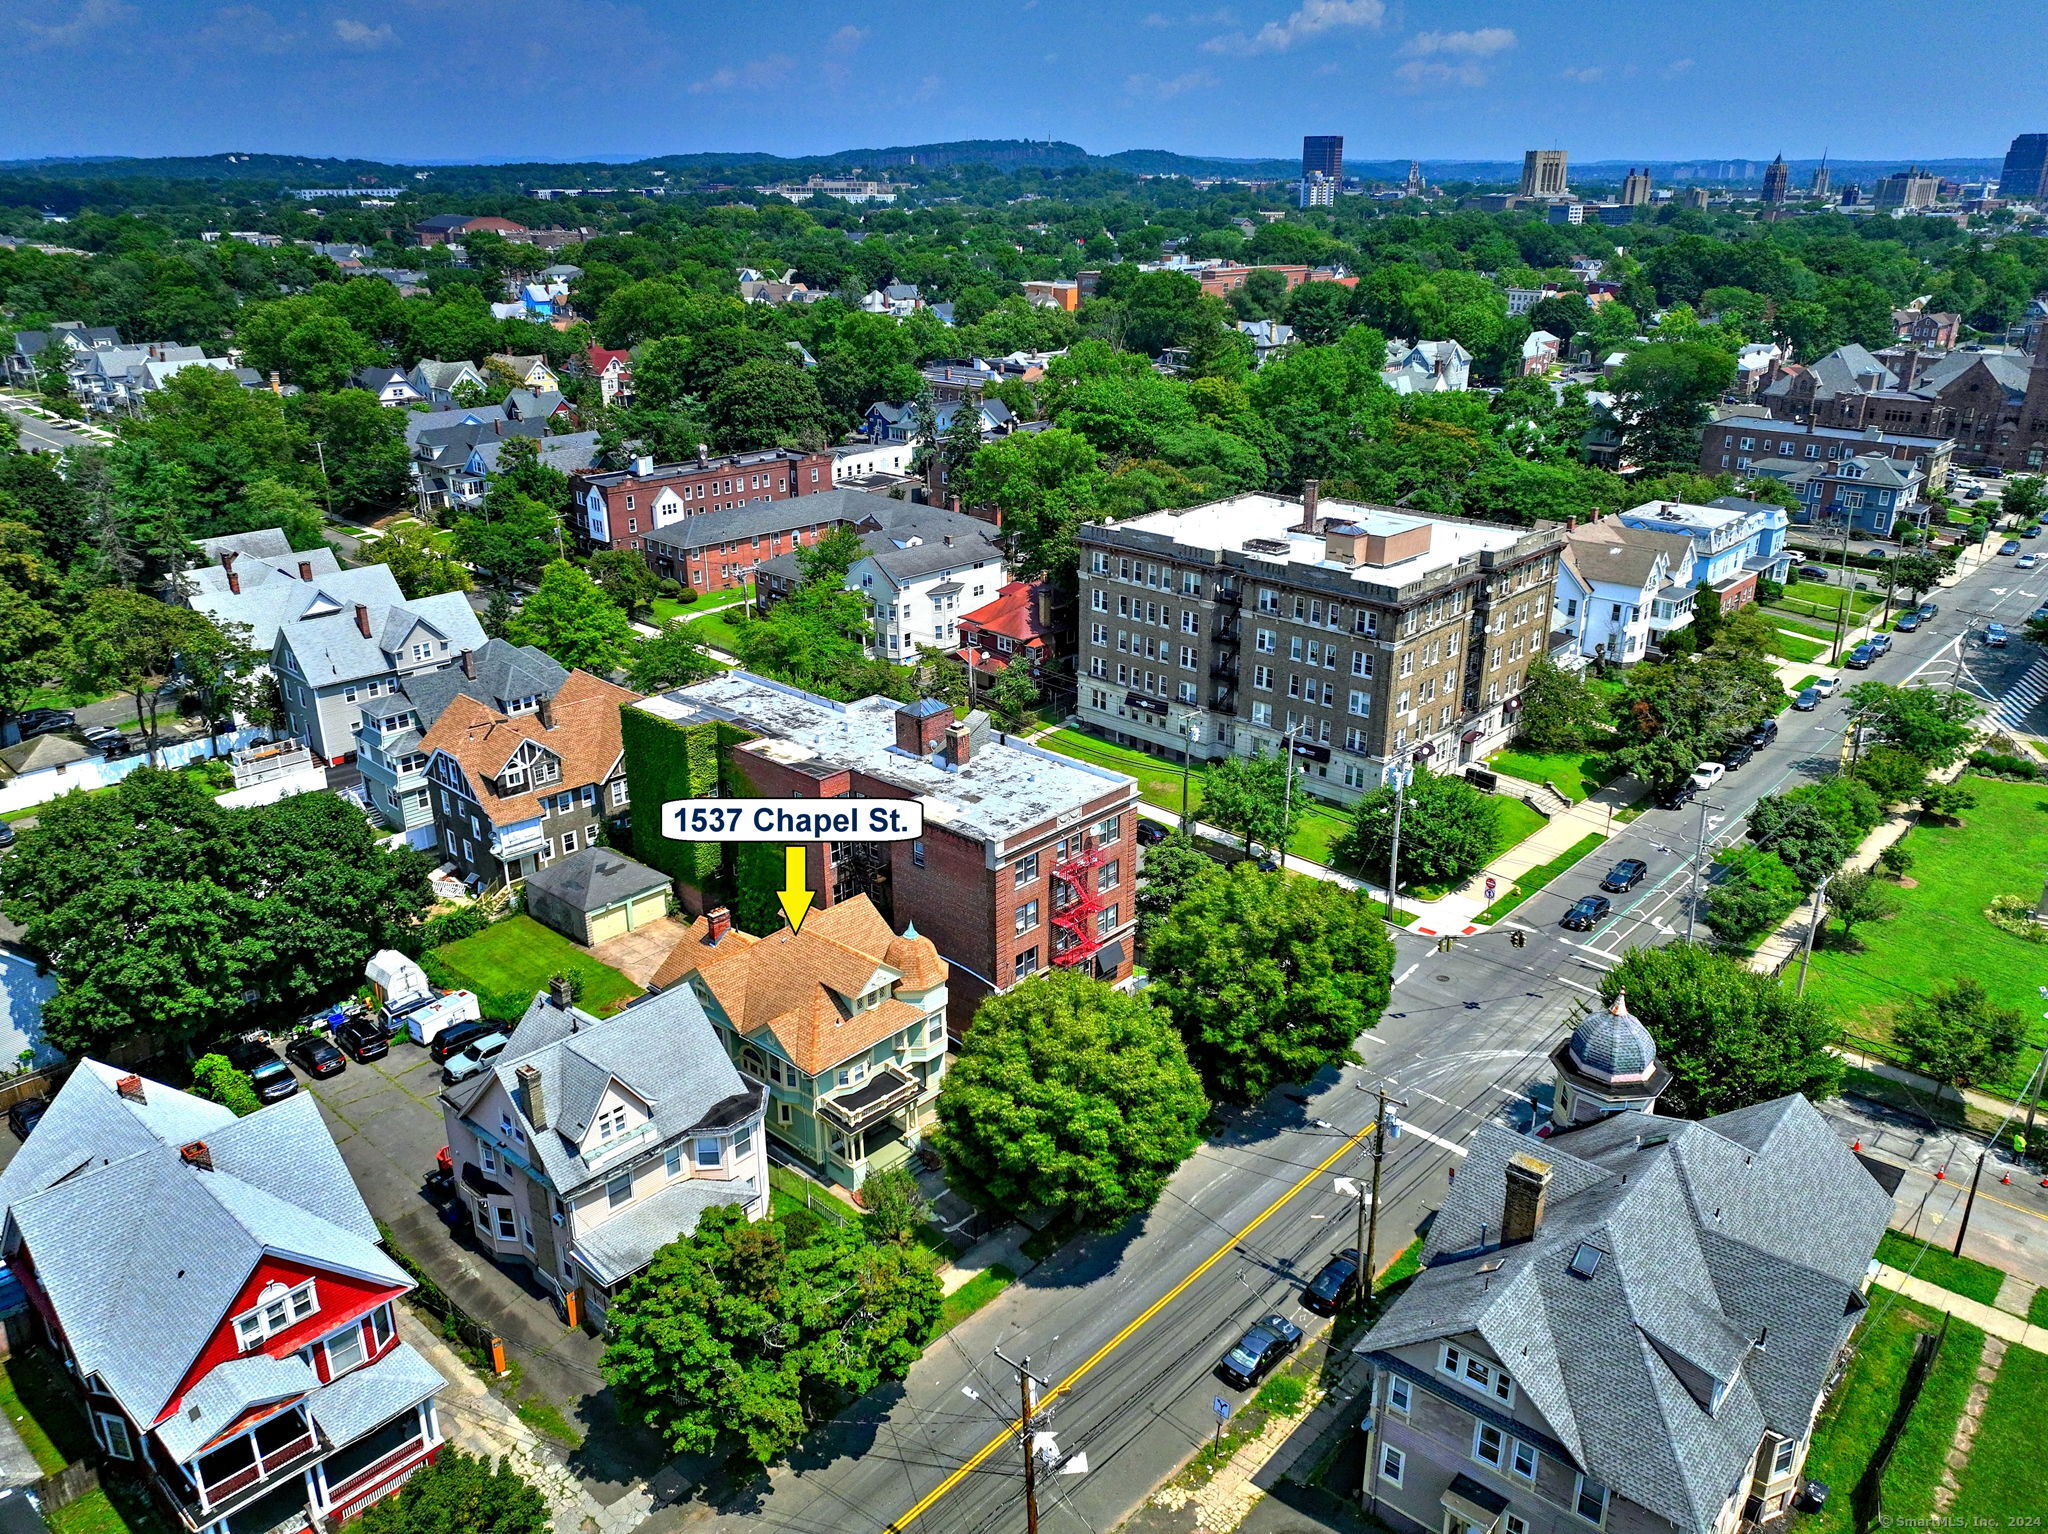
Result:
473,1059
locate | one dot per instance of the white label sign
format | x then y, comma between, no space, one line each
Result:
792,820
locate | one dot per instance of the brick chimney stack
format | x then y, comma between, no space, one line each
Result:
305,569
131,1088
717,922
922,726
546,712
197,1156
1528,1185
559,992
469,664
536,1097
958,745
1311,496
362,620
227,564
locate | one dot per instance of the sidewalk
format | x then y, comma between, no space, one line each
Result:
1987,1318
1460,909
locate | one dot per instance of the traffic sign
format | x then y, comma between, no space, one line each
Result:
1221,1407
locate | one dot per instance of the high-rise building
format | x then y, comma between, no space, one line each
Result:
1635,188
1910,188
1543,173
1695,197
1322,154
1821,179
1317,190
1414,186
2025,176
1777,181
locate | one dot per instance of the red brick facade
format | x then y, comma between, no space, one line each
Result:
649,508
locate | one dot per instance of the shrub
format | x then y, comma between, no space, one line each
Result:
1896,860
2015,914
215,1078
686,596
670,586
2000,765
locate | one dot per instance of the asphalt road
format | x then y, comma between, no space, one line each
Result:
1129,1327
40,436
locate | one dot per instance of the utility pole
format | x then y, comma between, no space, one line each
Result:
1970,1203
1692,903
1287,790
1820,896
1372,1214
1025,1380
1842,609
1399,778
327,484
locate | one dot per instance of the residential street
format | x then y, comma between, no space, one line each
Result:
1130,1326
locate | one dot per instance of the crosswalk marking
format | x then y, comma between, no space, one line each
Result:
2019,700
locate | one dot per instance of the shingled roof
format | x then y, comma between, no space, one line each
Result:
584,734
1730,1258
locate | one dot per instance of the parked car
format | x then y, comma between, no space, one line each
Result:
2010,546
457,1037
1990,471
1860,658
2026,561
1828,686
1975,492
1812,573
480,1053
1332,1288
1259,1350
1707,774
2036,616
1907,623
1880,644
6,835
1625,875
1681,793
362,1040
1807,701
2031,532
1764,734
1995,635
1927,610
1151,832
1587,912
316,1056
23,1117
270,1076
1736,753
1877,553
50,723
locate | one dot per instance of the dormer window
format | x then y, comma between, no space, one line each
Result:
280,1310
423,650
512,778
611,1123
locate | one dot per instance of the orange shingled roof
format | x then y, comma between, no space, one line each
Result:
585,737
785,983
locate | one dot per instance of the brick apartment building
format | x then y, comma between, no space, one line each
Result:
621,506
1993,404
1028,860
1358,634
1743,434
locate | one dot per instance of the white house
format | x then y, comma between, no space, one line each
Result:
1426,367
1619,588
390,385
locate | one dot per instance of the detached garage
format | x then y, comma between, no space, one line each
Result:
595,895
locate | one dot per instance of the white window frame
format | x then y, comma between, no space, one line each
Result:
111,1428
1393,1464
336,1367
1518,1452
1400,1395
1486,1436
1579,1484
257,1325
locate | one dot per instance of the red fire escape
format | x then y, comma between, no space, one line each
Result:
1075,916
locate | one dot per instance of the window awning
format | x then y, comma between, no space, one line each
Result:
1480,1506
1108,957
1471,737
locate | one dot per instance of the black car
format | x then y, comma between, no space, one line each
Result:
49,724
1678,795
1812,573
1258,1350
1860,658
23,1117
1625,875
1908,623
1151,833
270,1076
362,1040
1587,912
6,834
1764,734
315,1056
1735,753
457,1037
1333,1287
1807,701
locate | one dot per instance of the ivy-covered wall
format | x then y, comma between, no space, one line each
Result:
666,760
758,868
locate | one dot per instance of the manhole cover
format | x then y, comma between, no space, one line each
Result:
1443,977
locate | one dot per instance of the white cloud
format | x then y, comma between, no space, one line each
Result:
846,39
360,34
248,29
1152,88
1585,76
1481,44
57,24
1154,19
1312,19
1421,72
754,75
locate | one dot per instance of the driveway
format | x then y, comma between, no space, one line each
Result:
386,1119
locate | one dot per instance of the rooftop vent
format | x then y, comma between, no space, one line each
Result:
1265,546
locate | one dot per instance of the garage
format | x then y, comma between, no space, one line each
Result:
595,895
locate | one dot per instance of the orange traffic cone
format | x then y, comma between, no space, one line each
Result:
1941,1175
1857,1146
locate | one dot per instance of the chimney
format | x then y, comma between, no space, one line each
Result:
952,504
949,536
363,620
197,1156
558,992
305,569
547,712
469,664
717,922
703,453
643,465
536,1098
1528,1184
131,1088
276,383
921,726
1311,494
1571,524
959,746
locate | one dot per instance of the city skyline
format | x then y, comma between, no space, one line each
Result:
616,79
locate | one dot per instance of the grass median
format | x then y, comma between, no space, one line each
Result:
1939,1266
1536,878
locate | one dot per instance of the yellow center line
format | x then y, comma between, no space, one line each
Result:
1010,1433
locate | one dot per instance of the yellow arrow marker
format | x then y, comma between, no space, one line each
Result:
795,894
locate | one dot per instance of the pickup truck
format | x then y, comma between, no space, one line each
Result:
422,1016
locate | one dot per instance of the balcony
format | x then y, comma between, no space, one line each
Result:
1227,633
244,1470
1225,667
886,1090
518,842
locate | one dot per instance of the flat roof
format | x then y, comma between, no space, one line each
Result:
1227,526
1007,786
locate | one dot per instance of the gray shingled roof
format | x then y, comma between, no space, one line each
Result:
369,1397
1840,372
756,518
627,1242
567,452
41,754
110,1212
331,648
504,672
265,543
213,1404
1611,1043
269,599
2009,372
911,541
1625,556
662,1048
594,878
1732,1254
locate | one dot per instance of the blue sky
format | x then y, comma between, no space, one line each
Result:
558,79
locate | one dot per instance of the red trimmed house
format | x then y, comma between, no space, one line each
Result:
613,370
216,1288
1016,625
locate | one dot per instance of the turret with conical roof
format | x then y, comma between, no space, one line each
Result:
1608,1065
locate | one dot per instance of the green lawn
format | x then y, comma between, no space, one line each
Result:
1828,595
505,964
1940,932
1847,1437
972,1295
789,1189
1940,1267
1791,647
2003,1477
1517,822
115,1507
1921,1452
1576,774
718,629
1800,625
668,609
